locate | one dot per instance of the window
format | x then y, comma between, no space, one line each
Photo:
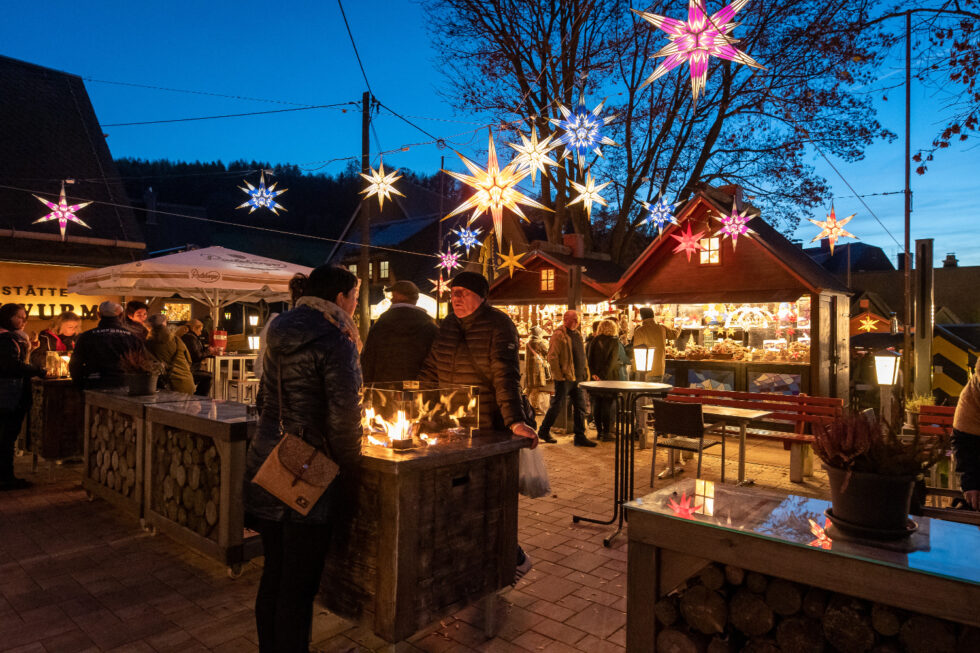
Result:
383,265
710,251
548,280
353,269
371,271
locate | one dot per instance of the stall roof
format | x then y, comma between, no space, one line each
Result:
598,279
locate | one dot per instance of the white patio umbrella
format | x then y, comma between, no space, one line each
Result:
214,276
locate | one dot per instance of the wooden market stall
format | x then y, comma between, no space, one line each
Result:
759,315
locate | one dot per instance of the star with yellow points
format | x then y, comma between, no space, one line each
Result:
496,190
510,261
381,184
439,286
62,212
532,154
589,193
832,228
688,242
868,324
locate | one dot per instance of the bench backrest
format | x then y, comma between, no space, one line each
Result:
801,410
935,420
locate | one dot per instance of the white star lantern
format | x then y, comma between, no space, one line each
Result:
832,228
381,184
532,154
62,212
262,197
589,193
582,130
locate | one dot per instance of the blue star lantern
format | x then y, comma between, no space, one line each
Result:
468,238
262,197
660,214
582,130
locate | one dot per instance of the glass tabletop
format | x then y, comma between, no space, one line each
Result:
625,386
217,410
938,547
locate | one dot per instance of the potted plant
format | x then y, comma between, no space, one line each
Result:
872,471
140,370
912,405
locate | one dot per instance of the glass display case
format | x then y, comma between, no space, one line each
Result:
405,415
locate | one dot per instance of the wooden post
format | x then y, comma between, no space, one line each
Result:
924,317
574,287
364,266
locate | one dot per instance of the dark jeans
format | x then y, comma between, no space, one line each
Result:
602,408
203,381
294,558
566,389
9,430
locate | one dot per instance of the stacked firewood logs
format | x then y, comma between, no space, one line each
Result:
112,451
186,480
725,609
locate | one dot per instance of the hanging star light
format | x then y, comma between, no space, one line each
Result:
448,260
582,130
696,40
734,225
439,286
510,261
589,193
468,238
62,212
496,190
262,197
688,242
868,324
381,184
832,228
533,154
660,214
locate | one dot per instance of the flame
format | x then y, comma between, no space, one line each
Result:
374,423
374,440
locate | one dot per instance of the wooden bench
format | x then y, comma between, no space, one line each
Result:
791,421
937,421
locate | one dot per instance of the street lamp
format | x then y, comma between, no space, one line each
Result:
254,342
887,366
253,320
643,358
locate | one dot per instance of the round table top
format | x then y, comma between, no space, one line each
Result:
617,387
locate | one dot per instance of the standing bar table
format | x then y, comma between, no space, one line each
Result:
742,416
227,367
626,393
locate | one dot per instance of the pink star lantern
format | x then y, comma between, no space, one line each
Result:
684,509
832,228
697,40
688,242
734,225
62,212
448,260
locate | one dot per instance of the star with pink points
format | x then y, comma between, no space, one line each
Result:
735,225
62,212
684,509
688,242
448,260
697,40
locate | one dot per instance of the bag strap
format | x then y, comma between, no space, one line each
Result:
282,427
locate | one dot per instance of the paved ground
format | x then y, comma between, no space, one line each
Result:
79,576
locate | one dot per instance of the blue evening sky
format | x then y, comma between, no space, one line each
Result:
298,52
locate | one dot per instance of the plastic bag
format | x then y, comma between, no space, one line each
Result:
533,475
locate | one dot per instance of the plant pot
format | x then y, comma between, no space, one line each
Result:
876,502
141,384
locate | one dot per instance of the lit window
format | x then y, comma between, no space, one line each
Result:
353,269
384,269
710,251
548,280
371,270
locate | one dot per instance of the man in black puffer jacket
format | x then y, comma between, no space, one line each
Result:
95,362
399,341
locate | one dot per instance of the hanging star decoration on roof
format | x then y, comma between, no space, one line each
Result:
62,212
582,130
589,193
685,508
734,225
448,261
688,242
532,154
262,197
467,238
381,184
510,261
823,541
496,190
696,40
660,214
832,228
868,324
439,286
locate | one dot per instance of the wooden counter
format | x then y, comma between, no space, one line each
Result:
57,419
743,376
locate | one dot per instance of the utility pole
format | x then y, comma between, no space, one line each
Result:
907,336
364,267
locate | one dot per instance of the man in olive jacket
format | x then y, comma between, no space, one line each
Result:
569,367
653,335
399,341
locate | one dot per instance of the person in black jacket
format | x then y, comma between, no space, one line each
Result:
311,382
198,352
15,389
399,341
607,362
95,363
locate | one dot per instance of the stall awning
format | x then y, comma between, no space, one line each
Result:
714,297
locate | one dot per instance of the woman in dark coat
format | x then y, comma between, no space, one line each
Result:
607,361
15,388
311,358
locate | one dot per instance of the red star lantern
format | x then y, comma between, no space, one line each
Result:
688,242
823,541
685,508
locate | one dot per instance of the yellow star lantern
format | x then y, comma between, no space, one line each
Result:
532,154
688,242
496,190
510,261
832,228
589,193
868,324
381,184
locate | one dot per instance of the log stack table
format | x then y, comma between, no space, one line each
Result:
57,419
431,529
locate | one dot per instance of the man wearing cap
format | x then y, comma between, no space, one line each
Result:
400,340
95,363
653,335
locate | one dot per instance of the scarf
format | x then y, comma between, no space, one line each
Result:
23,342
335,315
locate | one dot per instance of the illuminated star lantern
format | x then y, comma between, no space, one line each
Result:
262,197
734,225
468,238
823,541
832,228
381,184
697,40
532,154
582,130
660,214
685,508
510,261
448,261
688,242
496,190
63,212
868,324
439,286
589,193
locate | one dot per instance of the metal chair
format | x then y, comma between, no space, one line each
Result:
680,426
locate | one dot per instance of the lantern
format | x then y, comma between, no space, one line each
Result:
643,358
887,366
254,342
253,320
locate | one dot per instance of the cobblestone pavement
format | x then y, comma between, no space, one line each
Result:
77,575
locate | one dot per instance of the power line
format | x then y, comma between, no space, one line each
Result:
190,92
229,115
354,45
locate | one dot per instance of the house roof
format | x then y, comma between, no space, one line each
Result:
599,275
860,257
